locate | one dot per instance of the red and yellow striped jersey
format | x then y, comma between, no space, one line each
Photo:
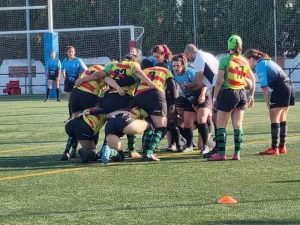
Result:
138,113
96,122
93,87
158,75
122,70
236,69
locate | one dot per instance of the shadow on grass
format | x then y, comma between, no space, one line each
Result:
287,181
253,222
10,163
36,162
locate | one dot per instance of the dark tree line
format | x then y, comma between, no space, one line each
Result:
165,21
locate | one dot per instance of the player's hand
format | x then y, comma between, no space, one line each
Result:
152,85
78,82
251,102
201,99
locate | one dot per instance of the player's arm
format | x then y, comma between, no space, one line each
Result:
112,83
140,74
127,81
46,69
59,69
251,76
265,91
171,93
63,73
201,97
196,82
94,76
219,83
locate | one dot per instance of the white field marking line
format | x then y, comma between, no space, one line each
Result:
40,174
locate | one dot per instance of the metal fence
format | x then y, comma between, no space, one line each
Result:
272,26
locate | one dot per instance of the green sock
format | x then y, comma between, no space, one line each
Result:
238,140
146,140
221,140
155,139
113,152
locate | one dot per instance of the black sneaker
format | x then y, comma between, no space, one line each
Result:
58,100
214,150
207,155
92,156
46,100
65,156
118,158
83,155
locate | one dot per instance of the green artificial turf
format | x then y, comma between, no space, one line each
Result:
183,188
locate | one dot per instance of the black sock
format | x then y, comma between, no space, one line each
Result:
188,135
57,93
70,143
70,110
48,92
283,133
175,134
203,131
275,129
210,126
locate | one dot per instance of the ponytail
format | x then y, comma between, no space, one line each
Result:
256,54
167,52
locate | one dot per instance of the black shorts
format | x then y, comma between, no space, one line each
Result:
80,130
68,85
182,102
81,100
153,102
283,95
113,101
52,77
192,99
230,99
116,125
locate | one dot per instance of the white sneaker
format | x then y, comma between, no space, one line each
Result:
189,149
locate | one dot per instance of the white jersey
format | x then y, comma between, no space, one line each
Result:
208,65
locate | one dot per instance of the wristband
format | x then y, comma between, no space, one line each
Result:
251,97
214,99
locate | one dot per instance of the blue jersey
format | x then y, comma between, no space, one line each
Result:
270,74
187,77
73,68
53,66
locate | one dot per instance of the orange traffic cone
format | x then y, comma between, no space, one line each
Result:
227,200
